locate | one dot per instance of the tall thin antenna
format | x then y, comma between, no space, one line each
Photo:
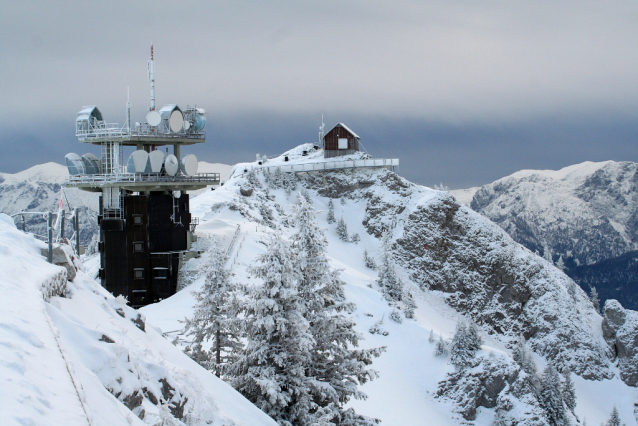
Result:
151,78
128,109
321,132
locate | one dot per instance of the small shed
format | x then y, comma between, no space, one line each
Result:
340,141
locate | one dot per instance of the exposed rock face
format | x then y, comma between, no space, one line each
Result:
620,329
63,256
504,287
494,382
586,213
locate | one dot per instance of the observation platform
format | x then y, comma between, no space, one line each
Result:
138,182
141,134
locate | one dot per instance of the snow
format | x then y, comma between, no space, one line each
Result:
47,347
56,369
409,371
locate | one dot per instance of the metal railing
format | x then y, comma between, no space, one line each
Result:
118,178
322,165
115,131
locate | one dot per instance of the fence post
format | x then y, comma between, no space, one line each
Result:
50,235
61,224
77,231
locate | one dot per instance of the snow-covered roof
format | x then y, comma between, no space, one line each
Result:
348,129
89,111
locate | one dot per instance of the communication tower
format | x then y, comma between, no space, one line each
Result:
144,219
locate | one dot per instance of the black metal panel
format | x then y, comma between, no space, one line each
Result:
152,223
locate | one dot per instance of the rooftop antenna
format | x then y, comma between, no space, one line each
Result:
128,109
321,131
151,78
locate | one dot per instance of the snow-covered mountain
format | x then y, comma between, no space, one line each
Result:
586,214
72,354
455,265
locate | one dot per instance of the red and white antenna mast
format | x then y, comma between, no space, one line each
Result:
151,78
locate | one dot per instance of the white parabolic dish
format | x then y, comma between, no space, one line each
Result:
189,165
171,165
156,159
153,118
176,121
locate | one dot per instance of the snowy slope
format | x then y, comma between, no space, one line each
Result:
85,358
454,262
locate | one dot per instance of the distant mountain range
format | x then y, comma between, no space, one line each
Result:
39,189
585,214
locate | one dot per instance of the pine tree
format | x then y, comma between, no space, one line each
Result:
431,337
391,285
614,419
568,391
441,347
369,260
342,230
551,398
523,357
331,212
355,238
271,372
594,299
560,263
465,344
214,320
336,369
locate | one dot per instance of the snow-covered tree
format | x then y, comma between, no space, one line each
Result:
342,229
614,419
441,347
331,212
568,391
252,179
560,263
391,285
214,321
369,260
595,300
551,398
336,368
547,254
431,337
523,357
465,344
410,306
271,372
355,238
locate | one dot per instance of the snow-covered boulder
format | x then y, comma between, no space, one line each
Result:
620,328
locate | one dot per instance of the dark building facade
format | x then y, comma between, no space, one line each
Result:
140,251
340,141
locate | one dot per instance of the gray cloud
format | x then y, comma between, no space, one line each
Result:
491,68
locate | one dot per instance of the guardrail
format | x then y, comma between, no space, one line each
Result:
113,130
103,179
326,165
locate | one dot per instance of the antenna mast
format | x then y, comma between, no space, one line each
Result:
151,78
321,132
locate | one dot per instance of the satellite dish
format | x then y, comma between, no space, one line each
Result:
156,158
176,121
189,165
187,124
171,165
138,162
153,118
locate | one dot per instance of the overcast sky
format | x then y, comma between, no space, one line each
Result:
463,92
